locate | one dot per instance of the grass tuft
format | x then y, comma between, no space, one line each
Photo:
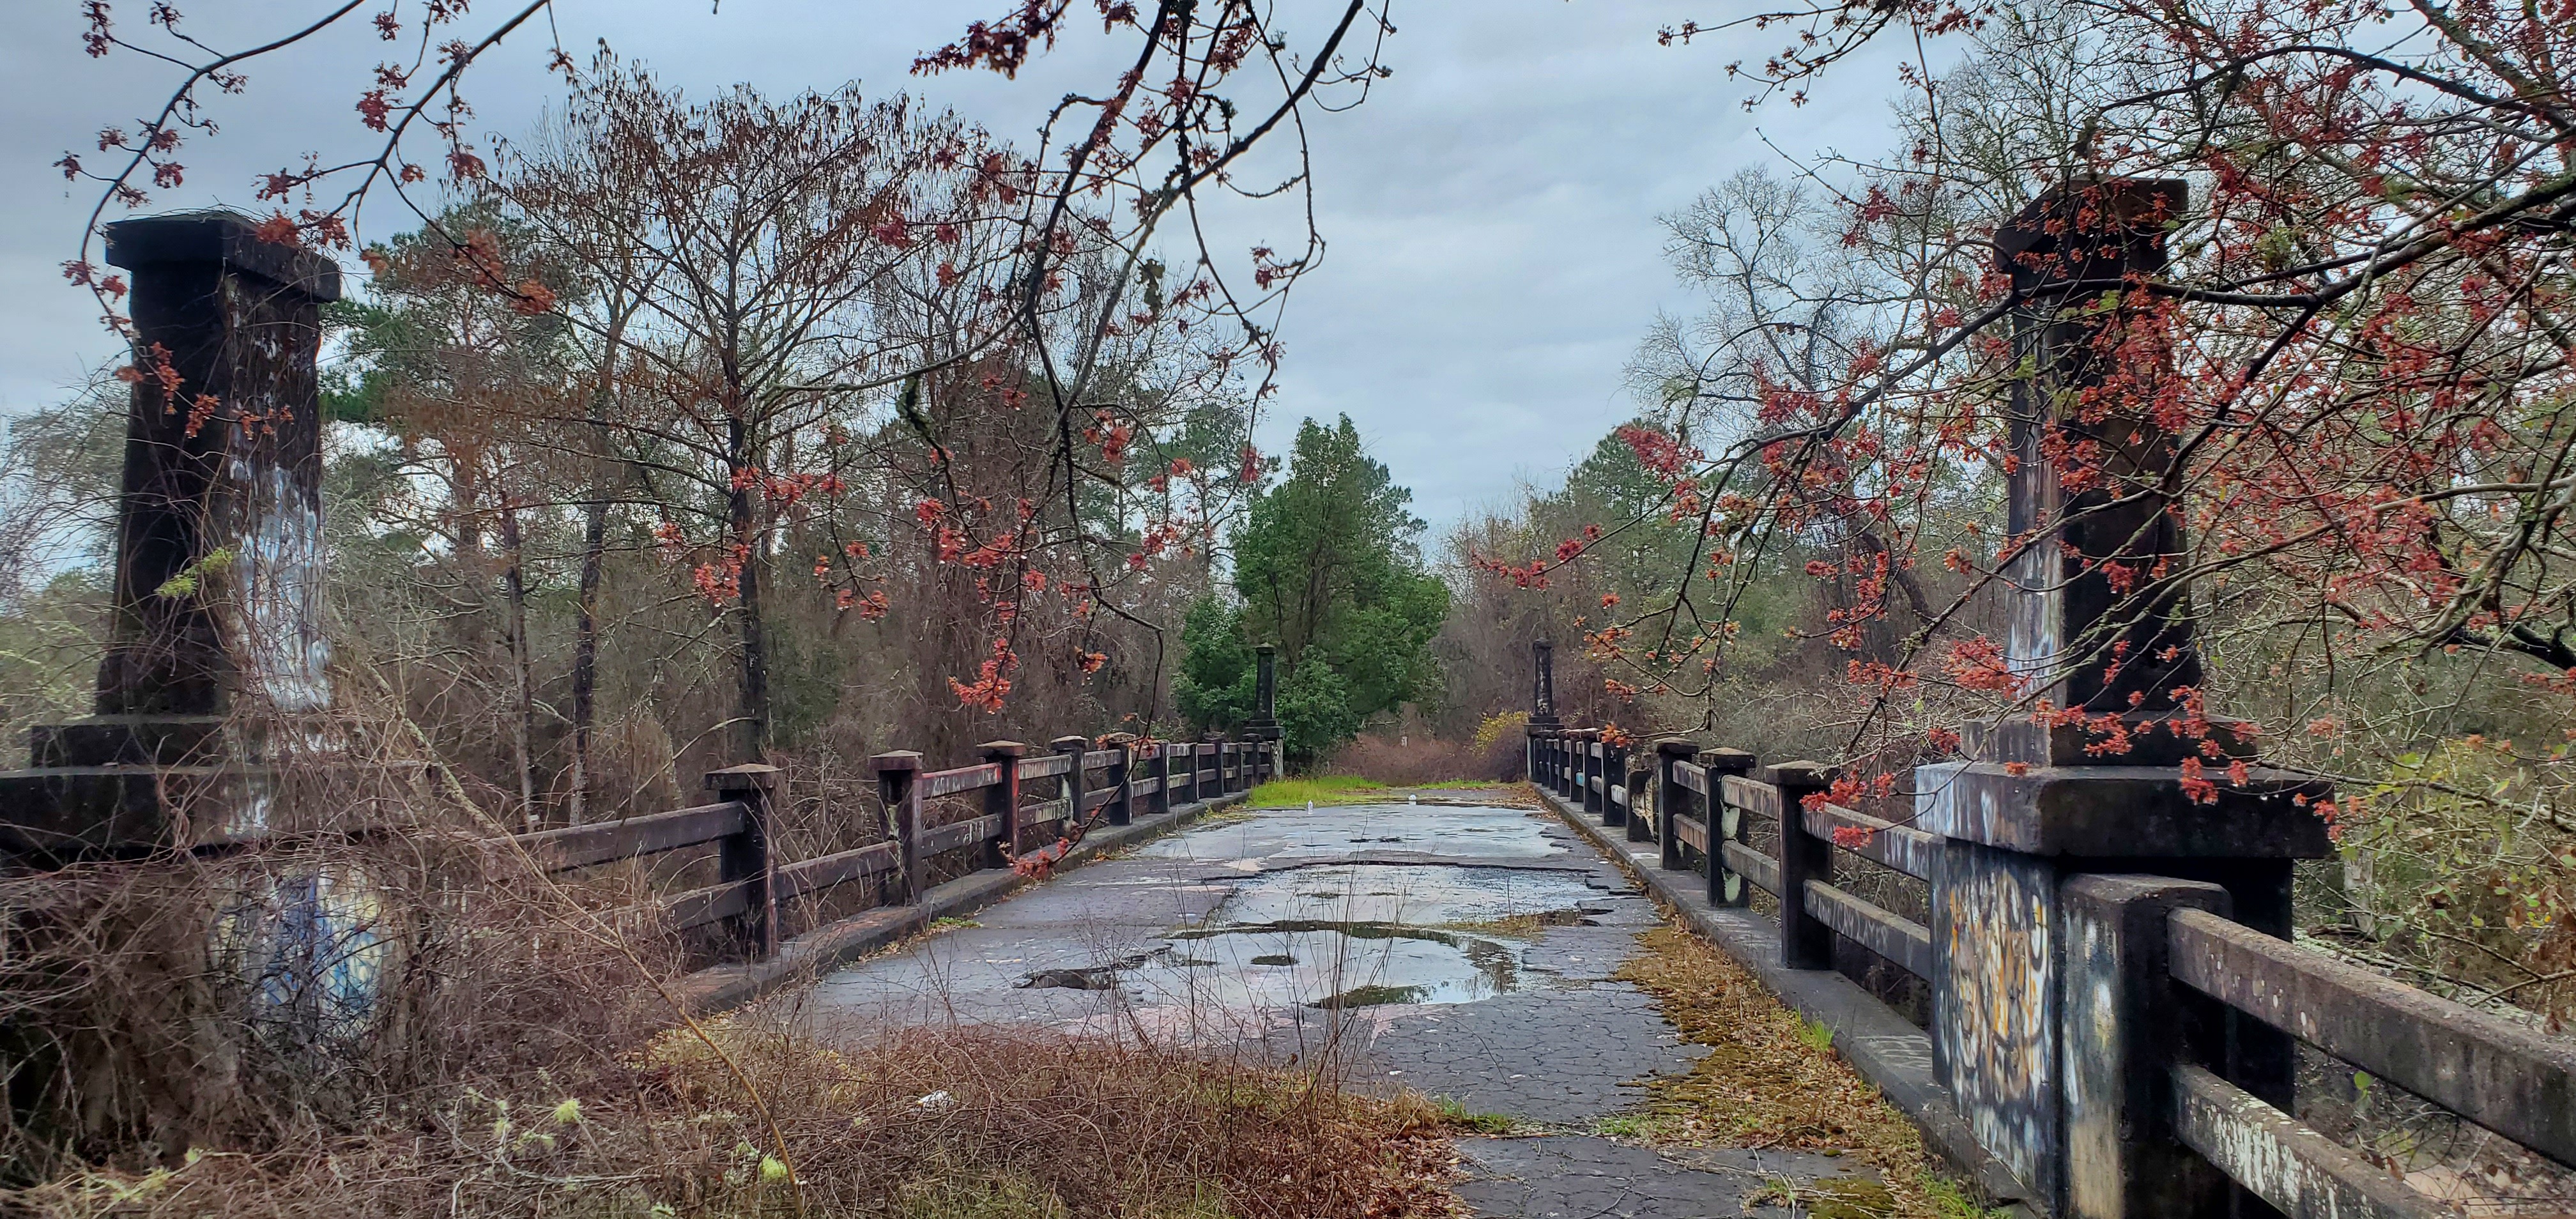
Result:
1322,789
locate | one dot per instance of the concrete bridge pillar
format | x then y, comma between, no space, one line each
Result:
216,663
2103,635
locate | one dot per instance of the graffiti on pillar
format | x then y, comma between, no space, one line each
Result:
311,954
276,634
1994,1003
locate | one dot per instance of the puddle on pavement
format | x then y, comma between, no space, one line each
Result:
1343,936
1335,966
1476,831
1434,895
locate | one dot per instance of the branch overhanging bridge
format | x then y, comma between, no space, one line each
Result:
2075,973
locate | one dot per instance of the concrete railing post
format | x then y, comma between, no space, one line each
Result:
1671,798
1072,748
1122,806
1162,801
1002,800
1614,770
1642,791
746,858
1584,764
1805,942
1726,886
897,786
2127,1023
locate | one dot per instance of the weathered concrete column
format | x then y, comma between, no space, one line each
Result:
216,664
1122,806
2033,807
2127,1023
1671,798
1002,800
750,858
1726,886
898,773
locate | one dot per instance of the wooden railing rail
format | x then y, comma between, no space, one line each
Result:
1114,785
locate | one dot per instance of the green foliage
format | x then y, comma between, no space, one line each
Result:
1214,689
1323,789
1329,568
1315,711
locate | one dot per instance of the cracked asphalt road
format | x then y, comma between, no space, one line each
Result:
1464,951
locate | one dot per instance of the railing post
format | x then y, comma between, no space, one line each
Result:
1614,762
1670,796
898,773
2127,1023
1002,799
1640,782
1122,807
1073,747
1586,742
1726,886
1805,942
1162,801
745,858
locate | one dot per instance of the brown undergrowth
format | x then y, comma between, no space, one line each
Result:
1770,1079
922,1124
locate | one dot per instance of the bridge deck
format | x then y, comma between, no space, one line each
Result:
1470,952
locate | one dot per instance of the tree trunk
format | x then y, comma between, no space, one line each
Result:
751,729
514,581
585,652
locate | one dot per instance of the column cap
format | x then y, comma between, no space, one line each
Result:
1011,749
895,760
749,774
224,237
1800,774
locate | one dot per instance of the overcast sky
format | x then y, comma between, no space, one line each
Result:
1491,210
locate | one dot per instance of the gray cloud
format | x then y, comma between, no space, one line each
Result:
1494,255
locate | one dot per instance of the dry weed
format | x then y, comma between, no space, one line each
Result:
1770,1079
916,1124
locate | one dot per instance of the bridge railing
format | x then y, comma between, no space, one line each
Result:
2159,976
1007,811
2152,1003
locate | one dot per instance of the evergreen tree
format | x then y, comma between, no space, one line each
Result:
1328,566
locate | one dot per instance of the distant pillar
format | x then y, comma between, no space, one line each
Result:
216,662
1264,725
2031,809
1543,683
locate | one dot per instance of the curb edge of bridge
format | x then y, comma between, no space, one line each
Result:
1891,1054
842,941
